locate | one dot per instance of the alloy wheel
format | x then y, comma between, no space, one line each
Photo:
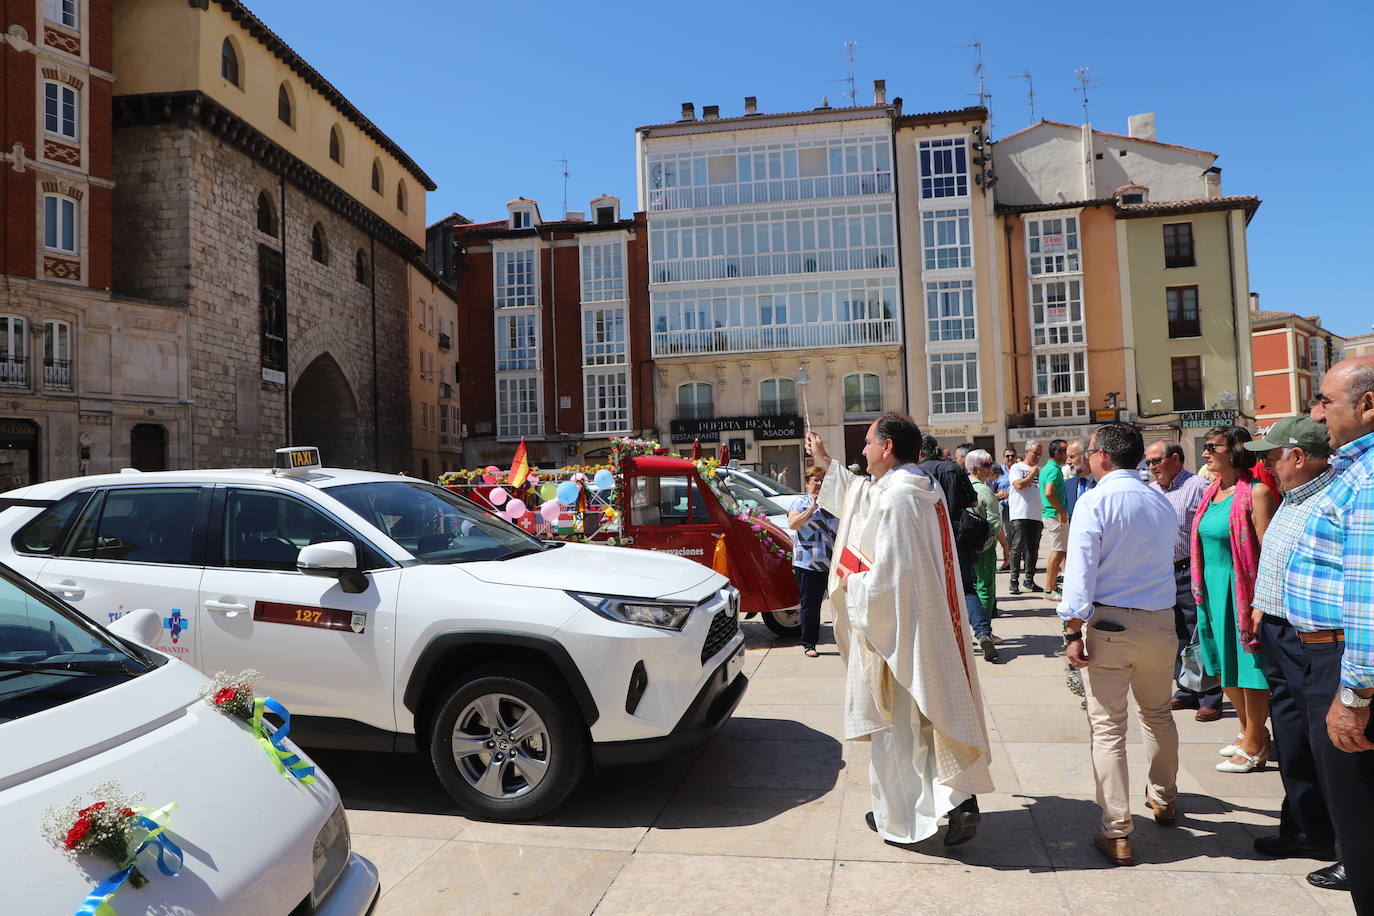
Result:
501,746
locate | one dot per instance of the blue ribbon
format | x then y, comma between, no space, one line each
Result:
97,902
286,761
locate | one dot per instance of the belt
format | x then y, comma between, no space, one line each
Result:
1321,636
1182,564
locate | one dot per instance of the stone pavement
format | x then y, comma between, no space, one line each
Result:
769,817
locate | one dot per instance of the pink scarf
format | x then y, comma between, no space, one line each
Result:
1245,548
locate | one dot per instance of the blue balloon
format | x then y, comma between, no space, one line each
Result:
604,480
567,493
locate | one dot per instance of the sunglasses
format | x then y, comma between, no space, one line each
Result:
1152,462
1212,448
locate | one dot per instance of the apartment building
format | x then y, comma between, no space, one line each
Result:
1291,354
555,332
435,445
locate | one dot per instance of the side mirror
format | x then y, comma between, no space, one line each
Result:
141,625
334,559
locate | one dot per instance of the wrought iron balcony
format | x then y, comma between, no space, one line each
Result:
445,342
57,374
14,371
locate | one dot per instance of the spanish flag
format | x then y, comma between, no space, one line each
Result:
519,468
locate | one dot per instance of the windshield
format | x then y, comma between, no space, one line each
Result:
436,526
747,494
769,485
50,654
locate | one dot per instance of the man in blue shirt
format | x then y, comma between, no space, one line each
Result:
1078,477
1118,609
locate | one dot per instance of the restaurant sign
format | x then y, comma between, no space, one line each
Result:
1204,419
709,429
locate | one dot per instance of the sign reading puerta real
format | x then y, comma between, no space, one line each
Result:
709,430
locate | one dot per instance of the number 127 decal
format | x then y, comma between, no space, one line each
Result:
322,618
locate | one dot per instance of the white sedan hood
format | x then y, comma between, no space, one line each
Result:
604,571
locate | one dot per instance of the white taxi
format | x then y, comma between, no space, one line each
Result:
390,614
81,706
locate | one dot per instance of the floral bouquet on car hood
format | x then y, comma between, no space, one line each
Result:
232,694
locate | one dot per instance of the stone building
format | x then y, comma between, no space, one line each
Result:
89,382
250,193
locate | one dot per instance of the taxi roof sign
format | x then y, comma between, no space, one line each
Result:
296,460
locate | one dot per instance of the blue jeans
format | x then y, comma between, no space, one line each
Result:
811,584
977,615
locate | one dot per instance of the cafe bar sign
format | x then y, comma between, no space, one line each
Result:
709,429
1206,419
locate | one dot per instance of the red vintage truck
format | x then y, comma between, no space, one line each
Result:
661,502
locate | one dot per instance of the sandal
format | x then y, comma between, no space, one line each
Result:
811,653
1257,762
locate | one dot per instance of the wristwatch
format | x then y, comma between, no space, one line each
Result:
1076,635
1352,699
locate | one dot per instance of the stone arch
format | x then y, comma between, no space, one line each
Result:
324,413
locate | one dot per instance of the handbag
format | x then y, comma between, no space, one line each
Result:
1191,674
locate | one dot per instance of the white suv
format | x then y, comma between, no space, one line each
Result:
390,614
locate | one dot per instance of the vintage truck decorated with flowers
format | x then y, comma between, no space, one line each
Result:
647,499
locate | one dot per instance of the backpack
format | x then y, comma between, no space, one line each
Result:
971,531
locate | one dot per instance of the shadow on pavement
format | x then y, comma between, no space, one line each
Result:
1013,647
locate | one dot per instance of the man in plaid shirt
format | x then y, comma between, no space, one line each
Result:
1330,603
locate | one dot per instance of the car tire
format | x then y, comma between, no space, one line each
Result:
786,622
483,756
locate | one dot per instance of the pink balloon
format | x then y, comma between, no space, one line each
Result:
534,480
489,475
550,510
497,496
516,509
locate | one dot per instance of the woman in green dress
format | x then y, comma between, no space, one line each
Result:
1227,532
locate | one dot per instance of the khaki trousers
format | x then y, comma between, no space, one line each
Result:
1139,659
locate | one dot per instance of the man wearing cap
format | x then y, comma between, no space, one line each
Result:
1298,456
1330,581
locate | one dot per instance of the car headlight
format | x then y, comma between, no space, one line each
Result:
332,846
663,615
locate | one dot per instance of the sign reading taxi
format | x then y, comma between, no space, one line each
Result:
296,460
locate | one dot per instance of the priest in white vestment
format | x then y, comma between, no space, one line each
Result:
911,686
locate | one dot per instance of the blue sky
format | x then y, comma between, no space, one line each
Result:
487,97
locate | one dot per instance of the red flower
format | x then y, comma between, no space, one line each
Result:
78,832
85,812
127,812
226,695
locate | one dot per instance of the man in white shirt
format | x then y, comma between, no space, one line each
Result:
1119,576
1026,515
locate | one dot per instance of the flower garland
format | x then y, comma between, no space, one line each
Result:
233,696
110,827
754,516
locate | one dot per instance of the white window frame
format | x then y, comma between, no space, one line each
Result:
519,406
606,400
945,393
514,350
951,311
696,401
937,160
947,239
65,13
605,336
1074,370
603,271
516,277
65,219
1053,245
1048,327
61,110
866,398
14,350
774,397
522,219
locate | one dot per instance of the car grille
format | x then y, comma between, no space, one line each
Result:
724,626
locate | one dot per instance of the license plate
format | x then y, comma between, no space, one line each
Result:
736,663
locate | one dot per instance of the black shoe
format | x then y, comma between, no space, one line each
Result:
1330,878
1282,847
1015,589
963,823
1032,587
872,824
989,647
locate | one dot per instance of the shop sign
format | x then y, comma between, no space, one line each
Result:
1204,419
709,430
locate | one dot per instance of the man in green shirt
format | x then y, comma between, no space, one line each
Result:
1055,514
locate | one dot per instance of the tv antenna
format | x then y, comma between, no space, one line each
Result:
1030,90
982,93
849,47
1085,80
566,176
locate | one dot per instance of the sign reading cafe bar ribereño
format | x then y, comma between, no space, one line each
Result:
709,430
1203,419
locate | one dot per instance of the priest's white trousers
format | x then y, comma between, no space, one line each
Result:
907,801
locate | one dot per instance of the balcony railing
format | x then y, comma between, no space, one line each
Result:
57,374
14,371
763,265
445,342
860,332
770,190
445,390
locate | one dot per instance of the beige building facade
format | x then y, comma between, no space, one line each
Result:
436,442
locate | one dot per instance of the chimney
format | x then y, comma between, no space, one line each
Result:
880,92
825,103
751,104
575,216
1254,302
1211,183
710,112
1141,126
689,112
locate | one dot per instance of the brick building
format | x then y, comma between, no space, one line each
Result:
251,194
88,381
555,332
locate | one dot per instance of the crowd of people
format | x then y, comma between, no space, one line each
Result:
1251,581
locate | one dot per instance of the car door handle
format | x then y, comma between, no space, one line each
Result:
68,589
225,606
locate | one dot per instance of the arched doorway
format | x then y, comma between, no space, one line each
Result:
324,413
148,447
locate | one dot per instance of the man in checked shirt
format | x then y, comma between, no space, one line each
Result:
1330,603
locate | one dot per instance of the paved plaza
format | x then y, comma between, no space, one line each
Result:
769,817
